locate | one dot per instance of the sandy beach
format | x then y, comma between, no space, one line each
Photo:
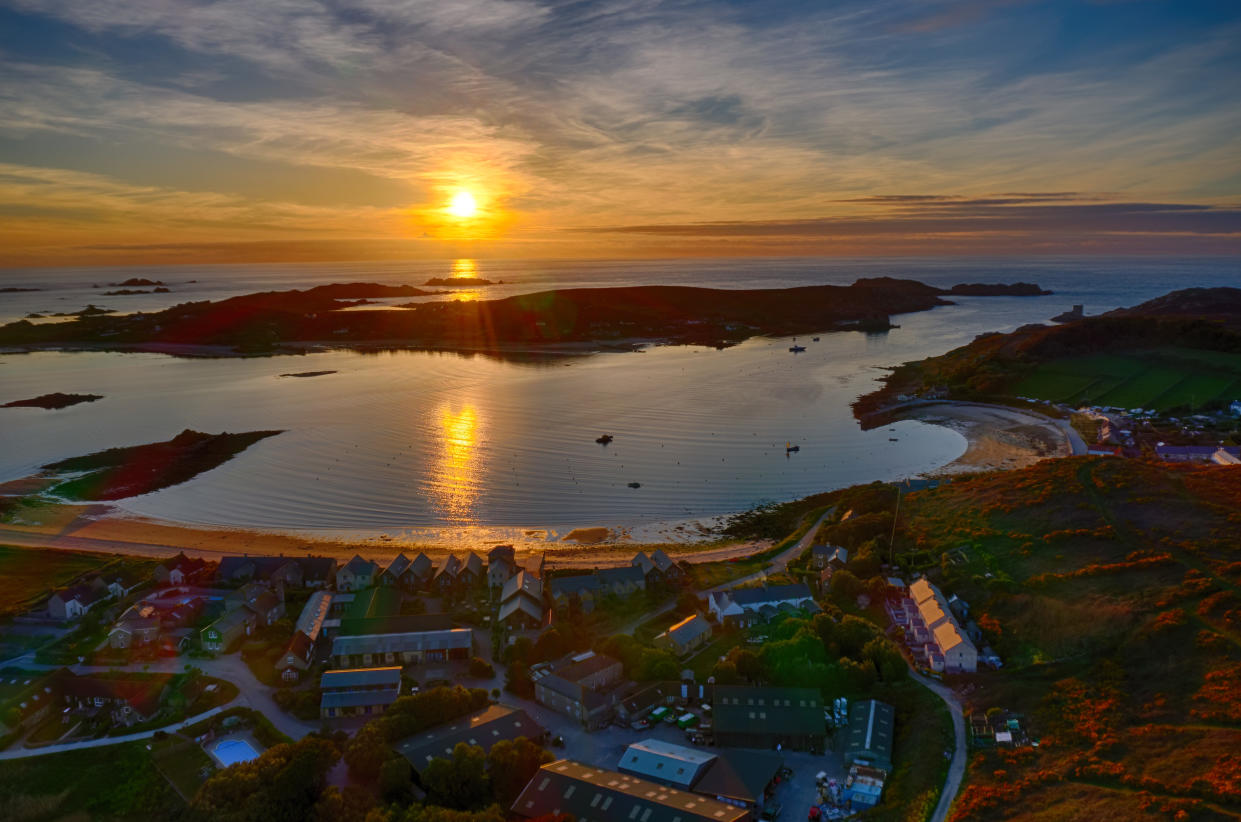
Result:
997,437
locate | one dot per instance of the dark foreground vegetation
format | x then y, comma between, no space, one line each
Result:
140,469
263,323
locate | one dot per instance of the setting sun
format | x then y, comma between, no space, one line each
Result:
463,205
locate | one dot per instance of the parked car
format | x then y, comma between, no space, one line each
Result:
771,811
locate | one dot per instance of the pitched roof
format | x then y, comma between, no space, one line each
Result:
662,561
523,604
374,602
397,624
421,565
948,636
575,584
314,614
687,630
473,564
504,552
360,567
483,728
300,647
450,568
869,735
400,643
664,762
524,582
594,795
397,567
232,619
143,694
623,574
641,560
754,597
349,678
264,602
316,569
358,699
743,709
741,775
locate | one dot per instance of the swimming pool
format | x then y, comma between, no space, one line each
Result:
231,751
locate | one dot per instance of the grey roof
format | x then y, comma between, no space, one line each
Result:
595,795
576,584
665,763
642,561
688,629
741,775
360,567
754,597
484,729
623,574
787,711
316,568
502,552
357,699
579,666
231,620
421,565
397,624
662,561
398,643
869,736
525,582
473,564
452,567
353,678
397,567
310,621
523,604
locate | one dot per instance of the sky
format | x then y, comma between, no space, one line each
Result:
164,131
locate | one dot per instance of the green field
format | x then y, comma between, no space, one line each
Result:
1160,379
29,574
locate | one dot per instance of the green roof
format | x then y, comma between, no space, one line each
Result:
868,739
374,602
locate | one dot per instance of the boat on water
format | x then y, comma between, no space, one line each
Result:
814,339
635,485
604,439
789,448
797,349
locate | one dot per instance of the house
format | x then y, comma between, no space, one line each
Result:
356,574
279,570
868,737
121,584
228,630
739,778
521,602
934,634
471,572
411,648
761,717
483,728
501,565
126,699
577,686
72,603
622,581
1223,456
446,577
134,631
268,606
580,588
587,793
299,656
748,606
358,691
179,570
395,574
393,624
666,567
420,570
685,636
317,572
1194,453
644,564
822,556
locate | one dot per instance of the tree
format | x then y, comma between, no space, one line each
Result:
353,804
687,602
887,659
395,784
747,663
281,785
517,680
511,765
366,752
481,668
458,782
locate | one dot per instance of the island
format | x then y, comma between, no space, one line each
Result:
16,290
284,321
458,281
308,374
137,281
53,401
128,471
998,290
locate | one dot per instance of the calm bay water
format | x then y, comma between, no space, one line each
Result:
445,446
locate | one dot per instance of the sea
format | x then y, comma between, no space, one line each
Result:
463,448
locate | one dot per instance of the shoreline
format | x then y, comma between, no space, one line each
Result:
997,437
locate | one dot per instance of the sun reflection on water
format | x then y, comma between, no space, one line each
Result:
464,268
455,473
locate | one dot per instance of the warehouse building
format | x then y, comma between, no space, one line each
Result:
753,717
868,739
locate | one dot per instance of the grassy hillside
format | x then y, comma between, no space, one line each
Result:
1111,589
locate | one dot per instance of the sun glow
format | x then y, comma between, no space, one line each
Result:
463,205
455,475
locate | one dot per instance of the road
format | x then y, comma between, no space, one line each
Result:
778,564
251,694
956,768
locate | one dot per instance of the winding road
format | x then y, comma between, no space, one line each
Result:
956,768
